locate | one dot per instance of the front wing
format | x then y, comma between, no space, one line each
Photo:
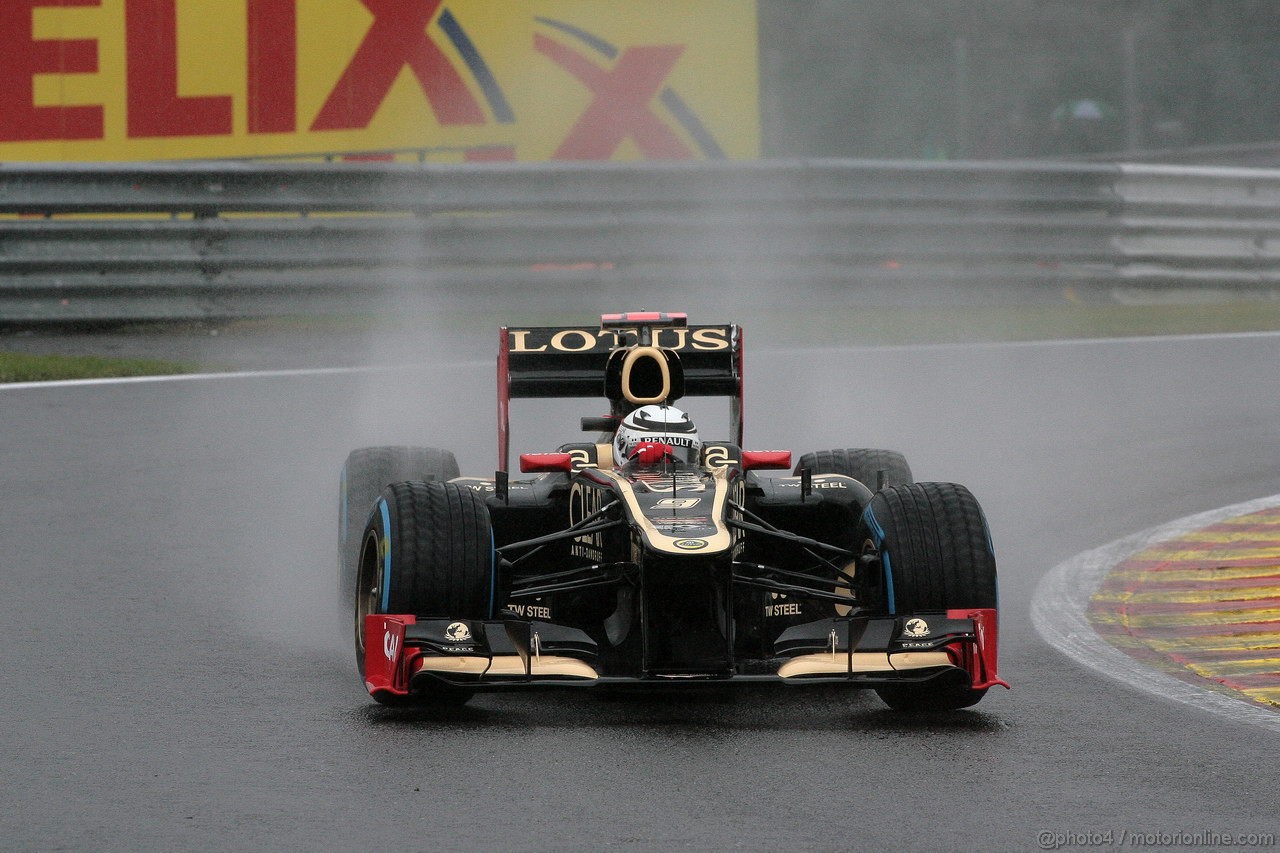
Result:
406,655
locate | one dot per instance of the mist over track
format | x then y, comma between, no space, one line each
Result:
174,677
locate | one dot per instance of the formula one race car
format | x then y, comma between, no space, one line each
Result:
650,556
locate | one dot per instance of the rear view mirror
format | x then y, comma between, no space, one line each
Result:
537,463
757,460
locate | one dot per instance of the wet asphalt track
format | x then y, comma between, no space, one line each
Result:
172,677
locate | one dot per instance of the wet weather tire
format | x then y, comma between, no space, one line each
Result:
364,475
427,551
935,554
862,464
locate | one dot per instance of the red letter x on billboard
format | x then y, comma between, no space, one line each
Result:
620,106
398,37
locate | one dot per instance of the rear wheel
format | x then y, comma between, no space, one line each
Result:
364,475
862,464
935,554
427,551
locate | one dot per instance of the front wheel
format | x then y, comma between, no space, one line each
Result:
427,551
364,475
935,554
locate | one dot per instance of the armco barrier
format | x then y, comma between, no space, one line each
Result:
108,242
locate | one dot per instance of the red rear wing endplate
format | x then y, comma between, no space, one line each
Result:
556,361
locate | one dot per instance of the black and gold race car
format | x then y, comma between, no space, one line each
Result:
650,555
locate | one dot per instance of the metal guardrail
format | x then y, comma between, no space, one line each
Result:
197,240
1255,155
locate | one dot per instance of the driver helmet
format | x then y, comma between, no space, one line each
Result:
654,434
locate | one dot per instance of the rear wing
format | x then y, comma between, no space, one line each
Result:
556,361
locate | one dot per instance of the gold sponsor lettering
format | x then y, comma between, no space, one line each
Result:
520,342
559,341
710,339
681,336
714,338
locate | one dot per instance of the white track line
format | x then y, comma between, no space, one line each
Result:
1059,613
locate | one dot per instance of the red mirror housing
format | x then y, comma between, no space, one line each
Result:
537,463
774,460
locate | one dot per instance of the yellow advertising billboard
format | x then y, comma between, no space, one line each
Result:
445,80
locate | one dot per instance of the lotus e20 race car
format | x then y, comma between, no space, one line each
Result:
651,556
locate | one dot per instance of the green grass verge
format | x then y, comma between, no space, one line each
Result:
21,367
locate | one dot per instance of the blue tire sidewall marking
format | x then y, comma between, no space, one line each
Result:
888,583
876,529
878,532
386,558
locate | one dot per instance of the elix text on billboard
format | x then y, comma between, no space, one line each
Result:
443,79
